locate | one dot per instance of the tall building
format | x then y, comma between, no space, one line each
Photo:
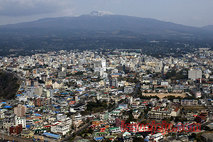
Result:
20,110
20,121
159,67
194,74
103,63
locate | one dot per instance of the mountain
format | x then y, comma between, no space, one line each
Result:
209,28
100,30
100,13
102,22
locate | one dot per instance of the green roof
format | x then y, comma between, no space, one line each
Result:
113,128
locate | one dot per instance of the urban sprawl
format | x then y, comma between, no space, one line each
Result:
110,95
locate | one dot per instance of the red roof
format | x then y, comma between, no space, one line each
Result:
156,108
209,82
176,109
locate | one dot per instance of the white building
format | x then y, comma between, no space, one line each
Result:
62,128
159,67
157,137
128,89
103,64
20,120
115,129
164,83
194,74
61,117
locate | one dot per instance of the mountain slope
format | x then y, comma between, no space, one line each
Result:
209,28
106,23
9,85
99,30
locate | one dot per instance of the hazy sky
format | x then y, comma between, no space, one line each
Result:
187,12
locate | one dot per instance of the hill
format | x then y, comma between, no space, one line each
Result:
209,28
99,30
9,85
104,23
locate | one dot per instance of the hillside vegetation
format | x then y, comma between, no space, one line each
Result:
9,85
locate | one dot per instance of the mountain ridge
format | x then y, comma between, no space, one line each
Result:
101,31
208,27
104,22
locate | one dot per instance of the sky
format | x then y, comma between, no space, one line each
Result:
187,12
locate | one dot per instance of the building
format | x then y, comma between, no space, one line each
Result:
104,65
186,102
62,128
16,130
20,121
159,113
20,110
194,74
175,112
128,89
159,67
115,130
50,135
207,137
156,137
7,123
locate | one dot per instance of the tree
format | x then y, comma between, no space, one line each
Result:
138,139
9,84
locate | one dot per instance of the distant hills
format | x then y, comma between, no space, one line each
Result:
209,28
98,29
100,22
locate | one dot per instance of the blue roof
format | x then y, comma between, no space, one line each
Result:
52,135
98,138
116,73
36,114
29,106
64,93
7,107
27,126
56,106
3,102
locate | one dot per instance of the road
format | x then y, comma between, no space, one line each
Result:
76,132
83,127
4,136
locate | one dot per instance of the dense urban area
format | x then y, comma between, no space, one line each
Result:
107,95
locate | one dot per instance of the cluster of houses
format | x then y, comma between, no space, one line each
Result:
58,88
